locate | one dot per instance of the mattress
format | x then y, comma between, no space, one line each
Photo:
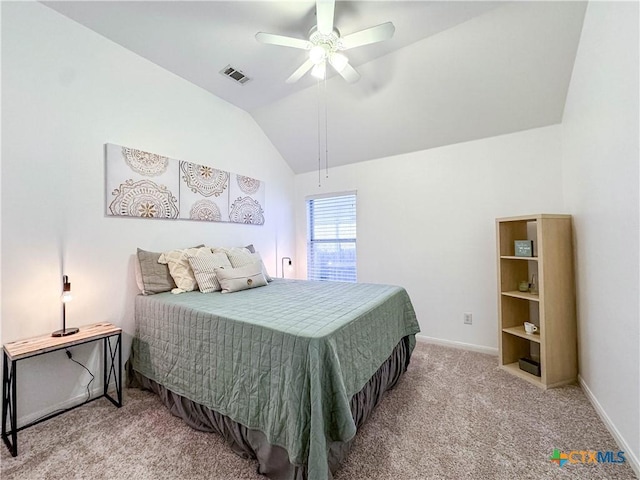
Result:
284,360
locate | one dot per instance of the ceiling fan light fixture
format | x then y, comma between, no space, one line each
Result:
339,61
317,54
325,42
319,70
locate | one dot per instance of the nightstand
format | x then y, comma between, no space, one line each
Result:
16,351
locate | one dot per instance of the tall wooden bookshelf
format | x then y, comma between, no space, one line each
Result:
550,306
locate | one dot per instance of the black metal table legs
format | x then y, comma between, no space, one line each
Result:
111,371
9,404
117,349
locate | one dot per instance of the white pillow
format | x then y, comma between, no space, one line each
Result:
239,257
242,278
179,268
203,265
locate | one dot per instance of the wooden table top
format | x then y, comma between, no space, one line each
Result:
46,343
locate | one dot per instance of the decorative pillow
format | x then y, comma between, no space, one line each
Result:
154,277
178,261
243,278
239,257
203,265
136,268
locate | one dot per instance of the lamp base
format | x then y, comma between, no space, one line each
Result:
65,332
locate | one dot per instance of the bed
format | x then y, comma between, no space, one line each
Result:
286,373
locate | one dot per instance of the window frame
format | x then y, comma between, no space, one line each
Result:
313,271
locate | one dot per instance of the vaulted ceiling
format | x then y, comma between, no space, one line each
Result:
453,72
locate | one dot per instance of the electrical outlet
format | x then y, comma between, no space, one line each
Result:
468,318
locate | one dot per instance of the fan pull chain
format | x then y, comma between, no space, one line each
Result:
319,144
326,131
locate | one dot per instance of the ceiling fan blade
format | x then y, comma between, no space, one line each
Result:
375,34
338,61
349,73
272,39
324,15
304,68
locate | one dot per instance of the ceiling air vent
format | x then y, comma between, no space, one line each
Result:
235,75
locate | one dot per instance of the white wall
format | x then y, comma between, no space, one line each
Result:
67,91
601,184
426,221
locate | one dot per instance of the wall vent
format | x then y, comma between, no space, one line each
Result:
235,74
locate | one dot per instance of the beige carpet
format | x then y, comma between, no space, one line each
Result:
454,415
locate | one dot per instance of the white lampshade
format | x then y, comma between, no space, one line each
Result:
317,54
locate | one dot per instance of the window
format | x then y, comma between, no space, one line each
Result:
331,238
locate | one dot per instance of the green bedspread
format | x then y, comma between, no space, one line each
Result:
284,359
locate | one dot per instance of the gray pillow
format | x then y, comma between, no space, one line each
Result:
155,276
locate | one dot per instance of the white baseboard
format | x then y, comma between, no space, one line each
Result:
622,444
97,391
461,345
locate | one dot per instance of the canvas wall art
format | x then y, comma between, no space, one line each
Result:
147,185
244,200
204,193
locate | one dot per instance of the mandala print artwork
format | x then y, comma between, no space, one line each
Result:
248,185
246,210
207,181
205,210
143,199
246,200
145,163
147,185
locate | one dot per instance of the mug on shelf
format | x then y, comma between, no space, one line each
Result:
530,327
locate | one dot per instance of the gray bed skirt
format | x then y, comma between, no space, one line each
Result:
273,460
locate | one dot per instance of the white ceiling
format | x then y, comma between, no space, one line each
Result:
453,72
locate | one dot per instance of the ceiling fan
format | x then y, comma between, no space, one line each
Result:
325,44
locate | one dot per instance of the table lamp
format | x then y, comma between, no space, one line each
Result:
65,297
282,261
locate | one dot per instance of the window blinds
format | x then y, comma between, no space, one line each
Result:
331,238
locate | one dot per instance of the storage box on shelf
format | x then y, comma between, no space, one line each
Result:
550,304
